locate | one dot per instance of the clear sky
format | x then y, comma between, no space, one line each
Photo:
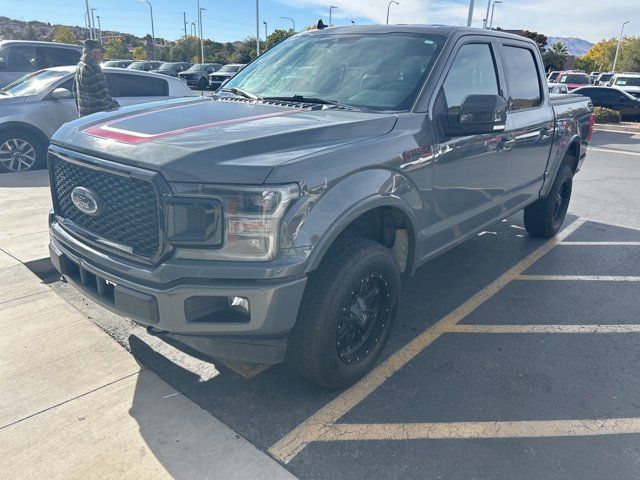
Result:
228,20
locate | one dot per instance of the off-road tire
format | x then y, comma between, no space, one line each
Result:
313,348
545,217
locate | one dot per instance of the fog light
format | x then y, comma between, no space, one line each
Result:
241,304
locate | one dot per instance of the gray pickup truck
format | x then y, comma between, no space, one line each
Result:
273,222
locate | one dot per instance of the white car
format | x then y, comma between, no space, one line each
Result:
629,82
34,107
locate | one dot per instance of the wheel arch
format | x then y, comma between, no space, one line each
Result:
33,130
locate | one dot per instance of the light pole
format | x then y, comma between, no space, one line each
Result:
389,8
153,33
292,21
331,7
493,8
470,16
193,29
184,20
257,28
99,29
485,20
93,22
88,20
266,34
200,9
615,58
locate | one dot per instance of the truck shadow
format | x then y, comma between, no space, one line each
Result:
268,406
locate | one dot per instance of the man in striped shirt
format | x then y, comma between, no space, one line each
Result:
90,88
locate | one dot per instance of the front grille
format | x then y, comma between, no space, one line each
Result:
129,213
216,78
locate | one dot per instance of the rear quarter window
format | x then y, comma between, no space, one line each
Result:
525,90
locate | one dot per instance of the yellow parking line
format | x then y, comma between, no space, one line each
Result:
581,278
603,244
535,428
291,444
600,328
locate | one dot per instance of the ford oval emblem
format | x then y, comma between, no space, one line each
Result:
86,201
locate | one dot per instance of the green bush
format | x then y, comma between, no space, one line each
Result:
606,115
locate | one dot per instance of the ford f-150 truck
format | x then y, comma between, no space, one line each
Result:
274,221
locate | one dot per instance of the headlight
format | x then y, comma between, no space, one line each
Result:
248,227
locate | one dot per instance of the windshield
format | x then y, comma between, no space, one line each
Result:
580,79
34,82
369,71
197,67
628,81
139,65
168,66
113,63
230,68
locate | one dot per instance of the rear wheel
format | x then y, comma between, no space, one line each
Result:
20,151
346,315
203,84
545,217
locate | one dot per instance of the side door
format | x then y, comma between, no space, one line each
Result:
60,112
470,172
131,89
530,122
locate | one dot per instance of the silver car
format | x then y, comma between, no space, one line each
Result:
34,107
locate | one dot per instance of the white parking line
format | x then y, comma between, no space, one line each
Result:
556,328
615,151
308,431
603,244
532,428
580,278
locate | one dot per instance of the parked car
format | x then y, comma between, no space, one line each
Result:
629,82
228,71
613,98
603,78
557,88
553,76
172,68
34,107
145,65
593,77
196,76
273,222
116,63
21,57
573,80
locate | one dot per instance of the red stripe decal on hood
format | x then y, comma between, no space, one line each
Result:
107,131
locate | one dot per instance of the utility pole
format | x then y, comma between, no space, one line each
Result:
493,8
88,18
389,8
485,20
615,58
193,29
266,34
331,7
470,17
257,28
200,9
184,20
292,21
99,30
93,22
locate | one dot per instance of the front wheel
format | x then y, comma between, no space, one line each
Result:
545,217
346,315
203,84
20,151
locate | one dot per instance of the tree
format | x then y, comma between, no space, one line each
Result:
277,36
140,53
186,50
555,57
62,34
559,48
115,49
601,55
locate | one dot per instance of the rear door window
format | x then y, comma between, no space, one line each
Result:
55,57
525,90
473,71
127,85
20,58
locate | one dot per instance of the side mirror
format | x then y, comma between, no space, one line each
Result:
60,94
478,114
3,64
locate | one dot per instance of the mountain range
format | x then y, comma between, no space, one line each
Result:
576,46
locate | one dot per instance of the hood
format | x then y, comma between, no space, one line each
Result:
217,140
223,74
12,100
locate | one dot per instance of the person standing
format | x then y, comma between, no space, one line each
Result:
90,87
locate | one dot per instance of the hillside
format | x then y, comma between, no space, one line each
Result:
577,46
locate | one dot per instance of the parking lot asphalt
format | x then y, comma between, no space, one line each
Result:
512,357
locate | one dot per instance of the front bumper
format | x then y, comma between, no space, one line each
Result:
261,338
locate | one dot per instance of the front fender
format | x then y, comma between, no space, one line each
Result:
328,213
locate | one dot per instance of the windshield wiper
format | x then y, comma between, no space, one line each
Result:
303,99
242,93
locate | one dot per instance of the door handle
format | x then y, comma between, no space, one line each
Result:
505,143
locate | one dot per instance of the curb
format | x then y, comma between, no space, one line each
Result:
619,127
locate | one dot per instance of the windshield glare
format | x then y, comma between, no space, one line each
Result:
230,68
34,82
369,71
197,66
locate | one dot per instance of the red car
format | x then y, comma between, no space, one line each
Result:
573,80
